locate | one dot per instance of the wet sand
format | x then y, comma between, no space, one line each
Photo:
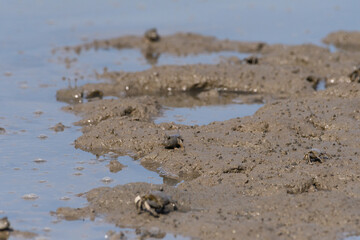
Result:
243,178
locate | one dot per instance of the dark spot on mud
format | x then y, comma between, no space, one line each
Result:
314,80
252,60
94,94
128,110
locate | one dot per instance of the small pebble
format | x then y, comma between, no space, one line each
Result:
38,113
58,127
111,235
40,160
42,136
30,196
23,85
107,180
115,166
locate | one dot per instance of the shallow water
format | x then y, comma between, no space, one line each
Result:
30,76
321,85
203,115
352,238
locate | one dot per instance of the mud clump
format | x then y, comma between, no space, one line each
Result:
202,77
115,166
59,127
77,95
311,185
241,178
344,40
70,95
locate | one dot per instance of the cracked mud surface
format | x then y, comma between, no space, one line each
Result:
243,178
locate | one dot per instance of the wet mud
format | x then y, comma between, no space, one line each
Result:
344,40
180,44
6,231
243,178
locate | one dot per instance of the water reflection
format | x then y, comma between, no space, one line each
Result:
203,115
151,56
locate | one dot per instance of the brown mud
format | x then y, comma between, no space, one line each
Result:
344,40
180,44
11,233
243,178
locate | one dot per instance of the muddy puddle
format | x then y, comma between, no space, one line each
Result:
207,114
244,127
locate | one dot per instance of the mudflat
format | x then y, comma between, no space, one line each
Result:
243,178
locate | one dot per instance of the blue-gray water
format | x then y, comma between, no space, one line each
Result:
30,76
